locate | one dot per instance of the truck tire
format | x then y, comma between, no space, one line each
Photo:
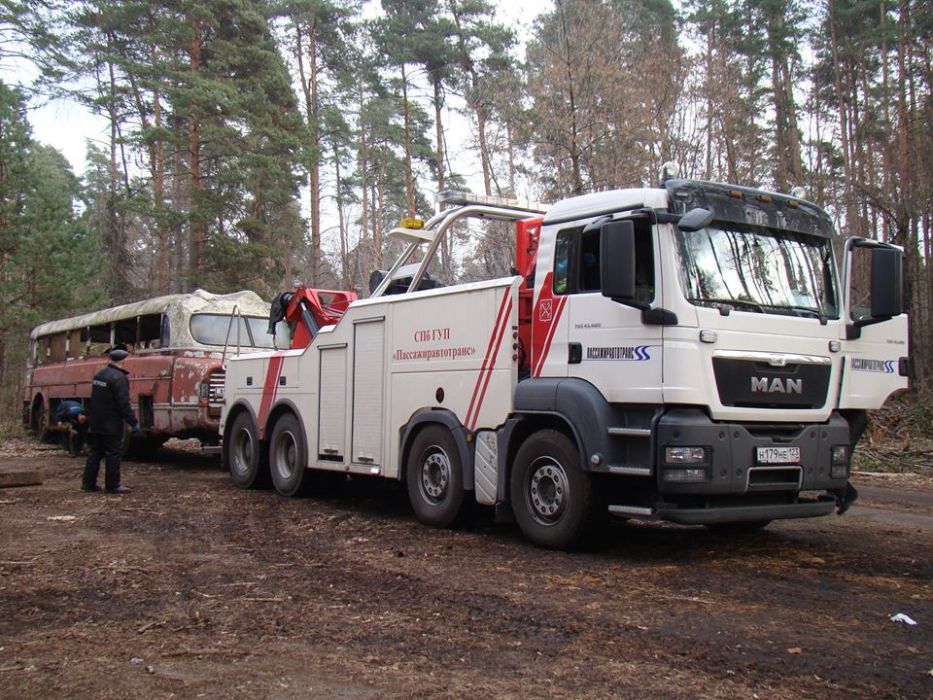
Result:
244,457
434,477
288,456
552,497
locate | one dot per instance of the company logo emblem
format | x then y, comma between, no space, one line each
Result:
865,365
544,310
636,353
776,385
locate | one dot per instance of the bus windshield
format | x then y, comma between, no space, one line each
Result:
758,269
245,331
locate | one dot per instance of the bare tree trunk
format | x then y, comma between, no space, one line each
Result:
364,187
409,174
575,174
341,220
309,84
446,244
851,213
197,232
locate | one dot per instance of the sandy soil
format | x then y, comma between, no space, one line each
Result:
192,588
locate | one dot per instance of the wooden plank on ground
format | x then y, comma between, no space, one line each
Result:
19,476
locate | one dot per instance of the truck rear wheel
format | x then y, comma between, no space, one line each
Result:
552,497
434,477
288,456
244,456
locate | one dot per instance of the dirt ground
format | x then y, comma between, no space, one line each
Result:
192,588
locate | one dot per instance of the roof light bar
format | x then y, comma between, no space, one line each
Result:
462,198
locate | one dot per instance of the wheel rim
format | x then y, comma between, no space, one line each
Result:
435,475
547,493
285,454
242,452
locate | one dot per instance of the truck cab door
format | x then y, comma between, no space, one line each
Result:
609,344
875,340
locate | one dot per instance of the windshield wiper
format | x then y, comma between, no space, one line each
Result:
816,313
726,305
813,313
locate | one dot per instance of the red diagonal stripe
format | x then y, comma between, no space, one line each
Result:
492,338
269,389
555,318
488,371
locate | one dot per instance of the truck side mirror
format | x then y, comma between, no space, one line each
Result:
887,288
617,260
874,283
695,219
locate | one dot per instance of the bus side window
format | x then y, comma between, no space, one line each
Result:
150,331
98,340
165,336
57,345
124,333
42,350
74,344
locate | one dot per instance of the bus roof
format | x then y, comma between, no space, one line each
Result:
172,305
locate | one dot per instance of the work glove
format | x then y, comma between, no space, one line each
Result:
136,430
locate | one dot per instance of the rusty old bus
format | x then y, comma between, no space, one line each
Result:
178,345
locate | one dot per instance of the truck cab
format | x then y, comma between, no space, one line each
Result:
704,352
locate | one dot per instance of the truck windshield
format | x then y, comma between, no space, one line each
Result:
758,270
211,329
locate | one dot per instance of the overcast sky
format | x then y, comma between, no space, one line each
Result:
68,126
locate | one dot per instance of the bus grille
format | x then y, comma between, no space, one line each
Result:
215,388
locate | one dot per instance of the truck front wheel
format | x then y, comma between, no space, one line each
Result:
288,456
552,497
434,477
243,454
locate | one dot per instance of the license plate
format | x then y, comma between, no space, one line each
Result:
778,455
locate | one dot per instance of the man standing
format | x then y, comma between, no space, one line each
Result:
110,406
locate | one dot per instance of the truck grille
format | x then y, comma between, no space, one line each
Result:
215,388
747,383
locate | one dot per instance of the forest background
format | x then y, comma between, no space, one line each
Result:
251,143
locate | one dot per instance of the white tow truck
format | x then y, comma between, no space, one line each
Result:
690,353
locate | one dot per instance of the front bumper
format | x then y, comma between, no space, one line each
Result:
732,470
823,505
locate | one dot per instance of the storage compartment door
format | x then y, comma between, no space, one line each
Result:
368,376
332,421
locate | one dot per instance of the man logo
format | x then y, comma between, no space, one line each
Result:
776,385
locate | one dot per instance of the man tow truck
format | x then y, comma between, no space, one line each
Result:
689,353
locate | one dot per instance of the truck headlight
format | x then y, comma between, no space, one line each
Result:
839,469
686,455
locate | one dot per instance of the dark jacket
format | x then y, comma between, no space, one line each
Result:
110,402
